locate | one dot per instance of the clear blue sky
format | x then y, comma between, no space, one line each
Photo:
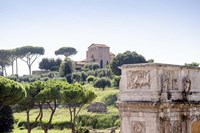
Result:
167,31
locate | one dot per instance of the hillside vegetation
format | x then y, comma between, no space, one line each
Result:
61,119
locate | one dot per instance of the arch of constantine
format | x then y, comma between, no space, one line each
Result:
159,98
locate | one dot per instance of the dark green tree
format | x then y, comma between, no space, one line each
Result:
150,61
102,83
90,66
13,57
125,58
32,90
6,119
76,77
90,78
11,92
116,81
66,67
51,96
66,51
29,54
4,60
193,64
50,64
75,96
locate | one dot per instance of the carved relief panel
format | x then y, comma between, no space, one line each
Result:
138,127
177,127
138,80
169,81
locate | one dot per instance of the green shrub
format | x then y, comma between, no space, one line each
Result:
116,81
102,83
110,99
83,130
99,121
6,119
57,125
90,79
13,77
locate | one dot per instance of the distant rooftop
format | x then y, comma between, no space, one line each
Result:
98,45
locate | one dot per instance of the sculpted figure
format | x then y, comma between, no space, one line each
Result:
187,84
165,83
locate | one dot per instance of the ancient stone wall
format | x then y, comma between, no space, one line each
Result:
158,98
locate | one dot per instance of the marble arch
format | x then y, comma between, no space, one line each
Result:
158,98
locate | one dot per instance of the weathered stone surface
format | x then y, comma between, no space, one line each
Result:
97,107
158,98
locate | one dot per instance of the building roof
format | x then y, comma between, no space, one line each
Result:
98,45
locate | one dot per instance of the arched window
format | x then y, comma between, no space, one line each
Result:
101,63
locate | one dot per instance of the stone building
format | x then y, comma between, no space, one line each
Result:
159,98
99,53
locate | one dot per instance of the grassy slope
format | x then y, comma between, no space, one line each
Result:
62,114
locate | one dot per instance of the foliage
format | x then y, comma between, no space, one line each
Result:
29,54
66,51
50,64
28,78
102,83
13,77
76,77
28,103
69,78
193,64
99,121
90,79
61,118
116,81
11,92
79,77
150,60
66,67
75,96
83,130
6,119
100,73
84,76
90,66
51,96
4,59
125,58
110,99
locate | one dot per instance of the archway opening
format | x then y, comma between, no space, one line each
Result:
196,127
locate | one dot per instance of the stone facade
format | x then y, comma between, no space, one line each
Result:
99,53
158,98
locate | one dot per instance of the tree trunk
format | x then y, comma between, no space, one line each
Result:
16,67
74,120
12,67
45,130
28,121
71,119
29,67
5,71
51,116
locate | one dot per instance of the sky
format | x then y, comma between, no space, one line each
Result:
167,31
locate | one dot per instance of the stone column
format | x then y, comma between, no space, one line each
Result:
189,125
167,126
